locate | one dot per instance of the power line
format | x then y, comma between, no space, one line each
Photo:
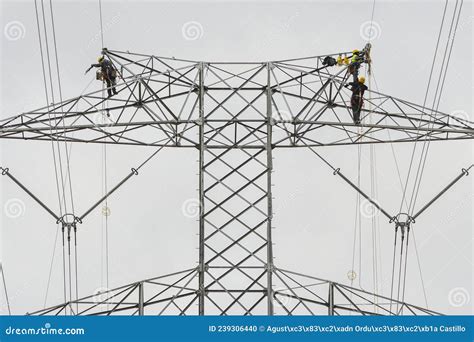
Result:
51,136
427,142
5,289
424,103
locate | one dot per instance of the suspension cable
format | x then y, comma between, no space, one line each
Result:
433,63
53,101
393,267
51,267
406,204
51,135
68,168
426,141
405,267
400,265
58,228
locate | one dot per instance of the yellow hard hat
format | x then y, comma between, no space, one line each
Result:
362,79
100,59
355,51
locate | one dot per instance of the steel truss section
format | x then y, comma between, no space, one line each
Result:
158,100
234,115
177,294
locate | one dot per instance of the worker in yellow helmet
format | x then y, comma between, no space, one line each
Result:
357,99
356,59
355,54
107,73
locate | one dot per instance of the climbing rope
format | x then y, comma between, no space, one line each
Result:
105,209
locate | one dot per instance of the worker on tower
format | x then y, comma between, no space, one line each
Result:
356,60
107,73
357,99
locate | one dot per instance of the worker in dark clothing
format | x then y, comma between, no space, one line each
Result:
357,99
107,73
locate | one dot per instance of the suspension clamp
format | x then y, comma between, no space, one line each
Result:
69,220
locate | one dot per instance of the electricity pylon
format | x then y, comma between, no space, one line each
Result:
234,115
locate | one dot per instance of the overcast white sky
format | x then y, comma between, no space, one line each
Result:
149,235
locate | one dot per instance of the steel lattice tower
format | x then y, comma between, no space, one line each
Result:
235,115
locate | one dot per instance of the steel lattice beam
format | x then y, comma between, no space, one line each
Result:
159,99
177,294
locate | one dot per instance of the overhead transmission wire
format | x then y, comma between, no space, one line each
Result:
400,181
53,101
59,149
68,167
57,140
57,231
436,100
412,160
424,153
68,177
433,63
5,289
40,40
